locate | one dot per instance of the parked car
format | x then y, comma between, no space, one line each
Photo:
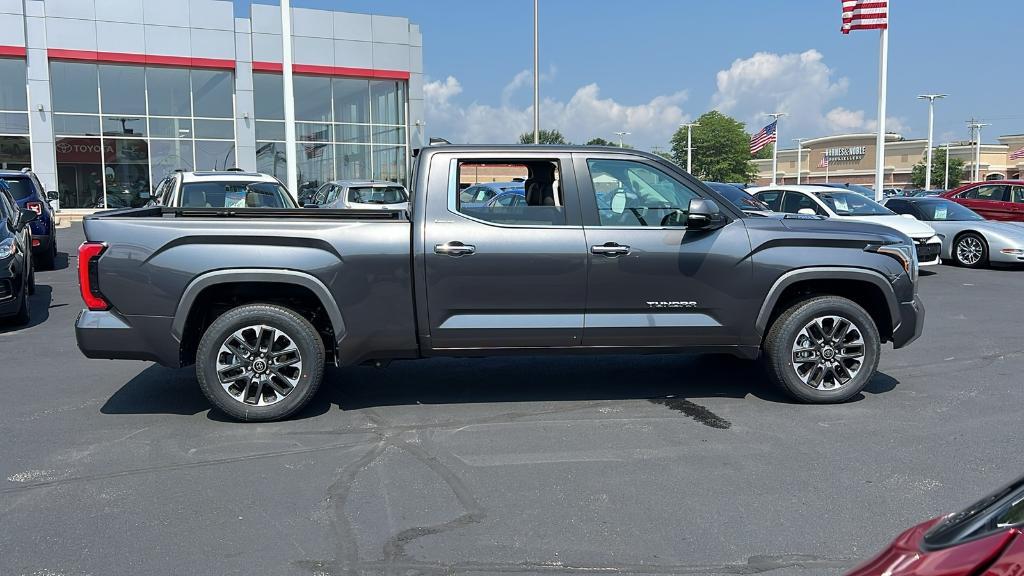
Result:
479,194
27,191
17,275
921,192
221,189
845,205
892,192
513,198
984,539
967,238
669,266
740,198
362,194
993,199
862,190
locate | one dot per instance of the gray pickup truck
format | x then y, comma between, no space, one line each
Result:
613,251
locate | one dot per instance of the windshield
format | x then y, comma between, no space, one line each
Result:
853,204
862,190
738,197
941,210
235,195
21,188
377,195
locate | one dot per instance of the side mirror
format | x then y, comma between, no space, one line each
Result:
806,211
52,195
26,217
704,214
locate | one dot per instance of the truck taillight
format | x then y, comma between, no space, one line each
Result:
88,257
36,207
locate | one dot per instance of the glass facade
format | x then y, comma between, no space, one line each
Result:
119,129
15,152
346,128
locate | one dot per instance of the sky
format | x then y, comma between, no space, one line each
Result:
648,65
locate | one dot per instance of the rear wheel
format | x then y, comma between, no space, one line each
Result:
24,314
260,362
970,250
822,350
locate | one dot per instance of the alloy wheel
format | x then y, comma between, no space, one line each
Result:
828,352
969,250
259,365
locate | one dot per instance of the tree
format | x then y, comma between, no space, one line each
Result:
764,153
721,149
956,170
599,142
546,137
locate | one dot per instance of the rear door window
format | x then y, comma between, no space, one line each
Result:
988,192
543,192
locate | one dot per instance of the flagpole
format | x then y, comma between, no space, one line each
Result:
775,146
883,72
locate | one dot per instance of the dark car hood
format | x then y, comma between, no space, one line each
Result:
824,227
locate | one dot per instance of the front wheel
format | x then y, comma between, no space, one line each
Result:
823,350
260,362
970,250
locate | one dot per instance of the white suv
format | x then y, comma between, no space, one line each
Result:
223,189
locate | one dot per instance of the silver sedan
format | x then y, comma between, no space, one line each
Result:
967,238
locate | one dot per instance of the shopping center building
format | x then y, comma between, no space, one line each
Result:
103,98
851,158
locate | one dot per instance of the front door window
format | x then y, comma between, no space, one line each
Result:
631,193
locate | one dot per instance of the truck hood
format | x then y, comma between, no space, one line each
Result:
835,227
909,226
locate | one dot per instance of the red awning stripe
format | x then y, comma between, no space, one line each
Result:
344,71
12,51
131,58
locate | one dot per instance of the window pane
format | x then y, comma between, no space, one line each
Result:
126,171
382,135
214,155
352,133
316,166
124,126
389,163
122,89
215,129
271,159
351,100
12,89
268,91
538,204
312,98
212,92
635,194
80,172
169,93
269,130
73,87
353,162
312,132
388,101
170,127
13,123
14,153
166,156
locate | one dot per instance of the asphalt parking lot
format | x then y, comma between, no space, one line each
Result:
554,465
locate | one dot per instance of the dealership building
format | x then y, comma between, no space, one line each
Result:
851,158
104,98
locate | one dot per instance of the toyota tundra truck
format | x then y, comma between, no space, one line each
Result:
607,251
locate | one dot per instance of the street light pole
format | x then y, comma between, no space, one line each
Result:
931,98
976,127
621,134
775,145
536,74
689,146
290,153
799,153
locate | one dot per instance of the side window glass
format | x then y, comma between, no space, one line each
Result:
795,202
332,194
899,207
538,180
631,193
773,199
991,193
1018,194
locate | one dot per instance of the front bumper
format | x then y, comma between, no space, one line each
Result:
110,335
928,250
911,323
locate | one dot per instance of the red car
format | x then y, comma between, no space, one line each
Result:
986,539
993,199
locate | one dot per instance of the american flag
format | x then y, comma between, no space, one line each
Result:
763,138
824,162
865,15
1019,154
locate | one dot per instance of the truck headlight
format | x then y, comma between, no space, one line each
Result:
7,247
906,254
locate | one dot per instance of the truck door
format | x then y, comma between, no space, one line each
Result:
653,283
503,275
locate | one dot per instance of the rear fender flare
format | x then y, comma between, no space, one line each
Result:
231,276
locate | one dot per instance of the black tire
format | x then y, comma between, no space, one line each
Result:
24,314
782,339
32,277
973,240
241,402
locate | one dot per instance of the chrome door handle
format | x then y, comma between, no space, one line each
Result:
610,249
454,248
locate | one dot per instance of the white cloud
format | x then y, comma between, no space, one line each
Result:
801,85
584,116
